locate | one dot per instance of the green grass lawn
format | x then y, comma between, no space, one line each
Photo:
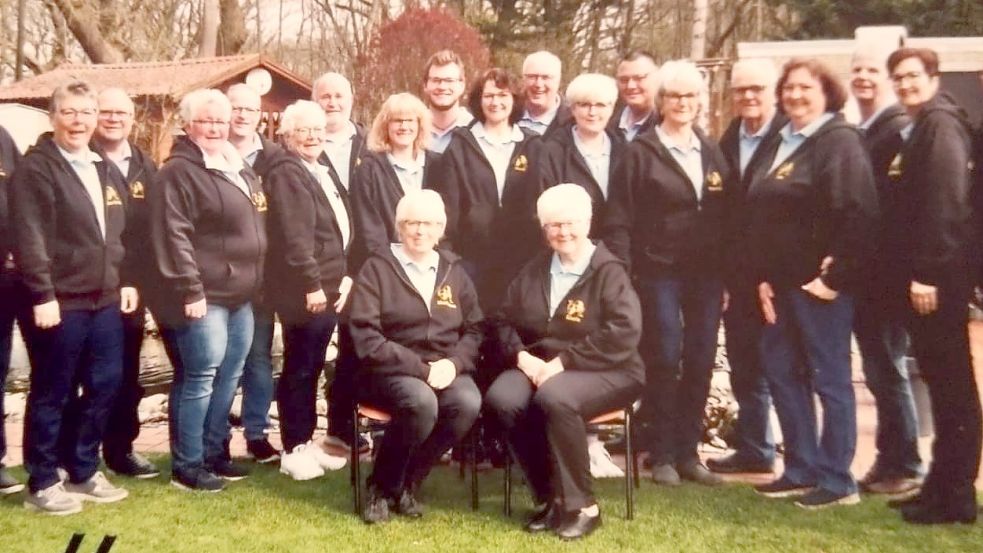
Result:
270,513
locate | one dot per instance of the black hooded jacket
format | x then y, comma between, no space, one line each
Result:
821,201
58,247
208,235
9,158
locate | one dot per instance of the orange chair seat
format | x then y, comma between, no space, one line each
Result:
617,415
373,413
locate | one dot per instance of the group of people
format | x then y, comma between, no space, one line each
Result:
536,258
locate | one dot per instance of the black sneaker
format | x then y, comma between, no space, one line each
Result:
198,479
8,484
227,469
133,465
261,451
782,488
345,442
820,499
408,505
376,508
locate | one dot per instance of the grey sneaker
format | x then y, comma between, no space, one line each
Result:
97,489
53,500
665,475
8,484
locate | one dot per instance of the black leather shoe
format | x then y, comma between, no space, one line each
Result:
732,464
376,508
408,505
906,502
542,520
576,525
939,513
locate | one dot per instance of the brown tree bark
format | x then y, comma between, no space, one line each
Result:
82,21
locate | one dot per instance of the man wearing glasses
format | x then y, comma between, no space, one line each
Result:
545,112
443,88
636,76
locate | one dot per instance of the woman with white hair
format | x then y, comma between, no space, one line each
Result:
666,218
415,323
574,353
586,153
307,282
398,162
209,239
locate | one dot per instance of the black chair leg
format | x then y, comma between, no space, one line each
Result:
508,485
355,476
472,458
631,475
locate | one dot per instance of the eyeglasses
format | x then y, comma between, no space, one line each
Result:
76,113
910,76
243,109
496,96
558,226
426,225
310,131
591,105
754,89
677,97
110,114
442,80
626,79
210,122
402,122
538,77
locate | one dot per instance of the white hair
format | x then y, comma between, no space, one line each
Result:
592,87
421,205
564,202
196,99
300,113
877,53
680,74
329,77
763,67
546,57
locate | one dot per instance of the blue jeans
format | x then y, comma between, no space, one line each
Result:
883,342
85,349
754,441
210,352
815,334
680,319
257,377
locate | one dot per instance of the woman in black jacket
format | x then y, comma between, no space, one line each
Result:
415,324
399,162
666,218
569,327
812,225
307,283
937,250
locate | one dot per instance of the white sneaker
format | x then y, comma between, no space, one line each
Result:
601,464
299,464
53,500
324,459
97,489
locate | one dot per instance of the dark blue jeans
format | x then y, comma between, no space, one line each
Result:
754,441
883,342
85,350
257,377
304,346
680,320
210,352
815,334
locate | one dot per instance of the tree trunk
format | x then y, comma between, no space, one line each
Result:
232,33
698,46
210,19
84,26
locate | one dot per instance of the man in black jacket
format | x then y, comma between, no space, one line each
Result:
636,76
68,215
881,310
745,143
545,111
937,251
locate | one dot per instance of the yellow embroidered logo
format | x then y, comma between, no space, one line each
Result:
784,170
445,297
575,311
714,182
259,200
521,163
894,170
112,197
136,190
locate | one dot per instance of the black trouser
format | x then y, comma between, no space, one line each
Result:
941,344
425,424
547,427
341,390
304,346
124,419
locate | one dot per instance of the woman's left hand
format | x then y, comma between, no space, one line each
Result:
550,369
316,301
819,289
343,289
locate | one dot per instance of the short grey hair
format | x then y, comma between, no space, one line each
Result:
421,204
330,76
301,111
72,88
761,66
564,202
592,87
544,56
196,99
680,73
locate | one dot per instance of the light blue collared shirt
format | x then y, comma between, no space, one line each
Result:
599,162
539,124
631,129
84,165
748,143
864,125
229,164
423,276
123,163
440,140
688,156
791,140
906,131
339,151
563,278
410,175
498,152
253,152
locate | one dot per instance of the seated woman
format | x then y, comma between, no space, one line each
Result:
415,323
575,353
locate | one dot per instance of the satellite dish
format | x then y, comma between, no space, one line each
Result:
260,79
